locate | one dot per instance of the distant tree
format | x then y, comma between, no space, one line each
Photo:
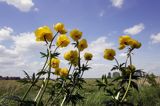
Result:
109,75
116,74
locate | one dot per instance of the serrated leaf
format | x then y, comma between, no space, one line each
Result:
56,54
27,75
43,55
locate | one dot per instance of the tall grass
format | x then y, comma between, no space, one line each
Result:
148,95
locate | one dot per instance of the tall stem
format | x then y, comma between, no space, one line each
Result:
116,61
47,80
63,100
25,95
130,76
49,71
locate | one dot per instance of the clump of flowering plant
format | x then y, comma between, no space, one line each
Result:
60,85
119,88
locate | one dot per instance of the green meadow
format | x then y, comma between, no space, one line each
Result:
148,95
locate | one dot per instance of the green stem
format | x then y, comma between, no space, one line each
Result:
63,100
83,71
47,80
49,55
116,61
130,76
25,95
40,90
127,87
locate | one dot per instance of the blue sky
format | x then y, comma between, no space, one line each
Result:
101,21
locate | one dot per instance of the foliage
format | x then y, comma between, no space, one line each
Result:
119,89
67,83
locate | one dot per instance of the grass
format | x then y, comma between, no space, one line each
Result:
148,95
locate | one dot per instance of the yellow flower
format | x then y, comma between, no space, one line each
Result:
55,62
75,61
59,27
82,44
71,55
121,47
63,40
64,72
75,34
124,40
43,33
134,44
88,56
57,71
63,31
109,54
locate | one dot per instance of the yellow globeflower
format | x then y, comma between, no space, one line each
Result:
55,62
75,34
63,40
64,72
121,47
109,54
57,71
124,40
134,44
88,56
63,31
43,33
59,27
75,61
82,44
71,55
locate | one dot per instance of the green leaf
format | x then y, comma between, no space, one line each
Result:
117,78
41,73
56,54
43,55
134,85
27,75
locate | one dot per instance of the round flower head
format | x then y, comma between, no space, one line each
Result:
82,44
132,68
88,56
75,34
64,72
55,62
121,47
57,71
75,61
124,40
43,33
59,27
71,55
134,44
63,40
109,54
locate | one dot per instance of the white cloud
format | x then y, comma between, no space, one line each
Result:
98,46
155,38
123,54
136,29
23,54
22,5
117,3
5,33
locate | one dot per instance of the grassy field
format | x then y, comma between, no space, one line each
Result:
149,96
